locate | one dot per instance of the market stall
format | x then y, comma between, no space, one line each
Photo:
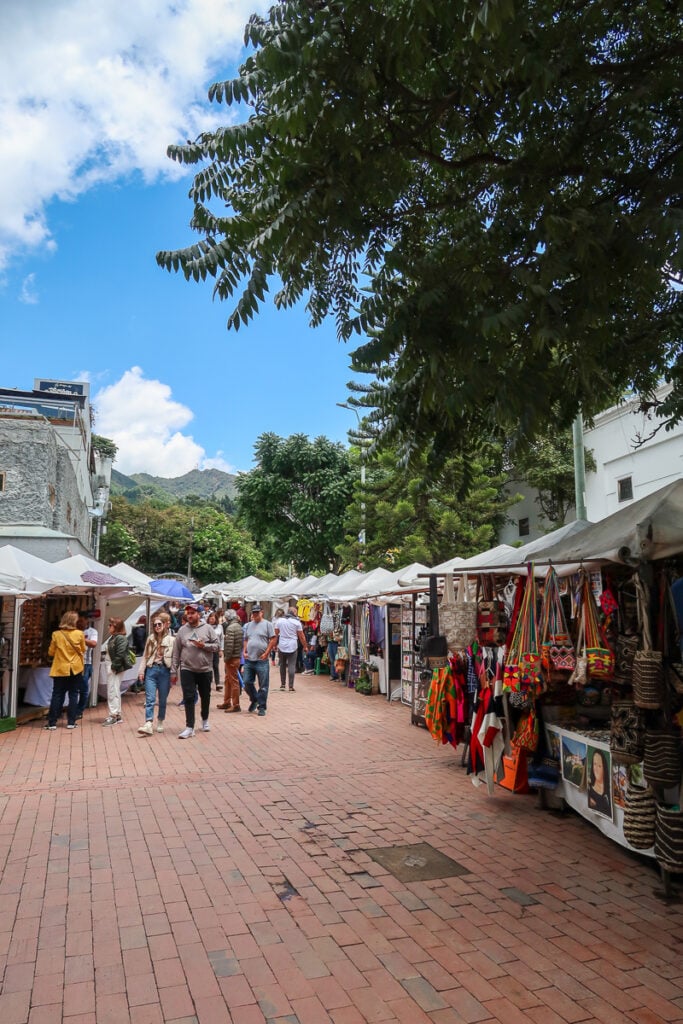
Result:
567,659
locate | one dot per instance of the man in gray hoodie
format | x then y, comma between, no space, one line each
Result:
193,650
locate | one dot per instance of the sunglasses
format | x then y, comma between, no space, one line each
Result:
157,625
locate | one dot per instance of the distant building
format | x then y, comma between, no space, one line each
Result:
54,488
634,455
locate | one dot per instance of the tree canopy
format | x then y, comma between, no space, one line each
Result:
487,193
414,516
155,538
295,500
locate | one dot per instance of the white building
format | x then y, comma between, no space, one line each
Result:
633,458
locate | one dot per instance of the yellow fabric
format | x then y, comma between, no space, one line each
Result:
67,648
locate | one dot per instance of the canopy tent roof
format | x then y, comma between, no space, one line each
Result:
132,576
264,591
306,587
90,571
650,528
237,591
336,591
24,573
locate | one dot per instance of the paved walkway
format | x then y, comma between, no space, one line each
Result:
226,879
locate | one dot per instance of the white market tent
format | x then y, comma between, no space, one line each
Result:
650,528
133,576
31,575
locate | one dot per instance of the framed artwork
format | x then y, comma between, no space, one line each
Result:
573,761
598,781
619,784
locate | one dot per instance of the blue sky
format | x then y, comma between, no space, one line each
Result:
87,197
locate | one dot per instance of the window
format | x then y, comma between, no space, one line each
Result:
625,489
523,525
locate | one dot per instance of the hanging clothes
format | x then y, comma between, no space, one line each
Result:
445,713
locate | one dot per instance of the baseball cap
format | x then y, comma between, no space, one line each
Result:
256,608
192,607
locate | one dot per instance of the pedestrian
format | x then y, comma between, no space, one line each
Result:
193,650
67,648
232,650
116,659
155,671
212,620
278,615
259,640
241,613
90,635
289,634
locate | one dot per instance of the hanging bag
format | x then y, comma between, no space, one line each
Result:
627,733
457,616
522,679
599,655
557,651
648,667
326,620
669,838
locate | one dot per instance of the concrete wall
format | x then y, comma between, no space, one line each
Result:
41,485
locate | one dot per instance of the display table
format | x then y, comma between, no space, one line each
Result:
129,677
573,749
37,682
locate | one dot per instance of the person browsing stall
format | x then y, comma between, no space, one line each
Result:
193,651
289,634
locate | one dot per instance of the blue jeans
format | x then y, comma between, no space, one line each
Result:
259,670
61,685
332,646
157,681
84,689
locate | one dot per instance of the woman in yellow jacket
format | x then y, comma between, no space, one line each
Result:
67,648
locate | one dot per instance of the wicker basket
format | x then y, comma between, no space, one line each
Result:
648,679
639,818
669,839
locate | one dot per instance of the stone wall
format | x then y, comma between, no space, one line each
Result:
40,483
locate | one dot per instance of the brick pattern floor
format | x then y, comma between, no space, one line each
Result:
225,879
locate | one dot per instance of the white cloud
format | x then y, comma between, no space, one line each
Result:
91,92
28,294
144,421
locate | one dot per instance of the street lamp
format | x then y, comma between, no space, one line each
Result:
361,536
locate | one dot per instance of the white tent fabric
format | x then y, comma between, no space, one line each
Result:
451,565
339,590
88,570
264,592
306,586
32,575
133,576
650,528
372,584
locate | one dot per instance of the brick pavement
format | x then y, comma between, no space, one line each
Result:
225,879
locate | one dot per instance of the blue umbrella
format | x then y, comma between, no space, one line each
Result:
171,588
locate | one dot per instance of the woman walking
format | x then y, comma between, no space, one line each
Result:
116,657
155,671
212,620
67,648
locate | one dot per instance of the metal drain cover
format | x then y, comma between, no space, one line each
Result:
418,862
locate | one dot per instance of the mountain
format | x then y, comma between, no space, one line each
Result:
204,483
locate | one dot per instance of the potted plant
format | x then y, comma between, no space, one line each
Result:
364,681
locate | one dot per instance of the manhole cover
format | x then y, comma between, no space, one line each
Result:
418,862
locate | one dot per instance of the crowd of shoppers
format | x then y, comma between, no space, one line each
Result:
184,645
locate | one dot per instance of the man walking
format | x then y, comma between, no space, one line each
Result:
289,633
259,640
232,648
193,650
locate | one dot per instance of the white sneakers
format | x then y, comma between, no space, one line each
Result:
160,726
186,734
205,725
146,729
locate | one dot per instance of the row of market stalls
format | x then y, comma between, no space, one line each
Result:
557,665
34,594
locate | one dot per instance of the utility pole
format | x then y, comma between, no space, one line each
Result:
579,468
362,534
189,554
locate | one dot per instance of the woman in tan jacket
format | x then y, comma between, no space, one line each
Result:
67,648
